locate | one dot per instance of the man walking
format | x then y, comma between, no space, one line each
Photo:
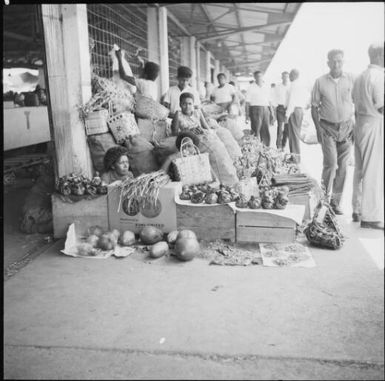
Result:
281,93
332,114
297,101
368,98
258,108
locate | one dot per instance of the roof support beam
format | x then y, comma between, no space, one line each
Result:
249,63
251,9
231,32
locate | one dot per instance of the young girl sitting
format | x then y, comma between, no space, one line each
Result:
188,118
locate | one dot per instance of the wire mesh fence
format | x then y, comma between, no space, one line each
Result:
174,51
121,24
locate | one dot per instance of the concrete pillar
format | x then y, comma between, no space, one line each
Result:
198,64
163,47
208,66
69,82
153,41
185,51
193,61
216,71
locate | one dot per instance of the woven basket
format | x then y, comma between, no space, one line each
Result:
96,122
122,126
147,108
194,169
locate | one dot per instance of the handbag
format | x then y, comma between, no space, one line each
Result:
122,125
192,169
96,122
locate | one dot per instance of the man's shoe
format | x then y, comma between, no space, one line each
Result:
356,217
337,209
372,225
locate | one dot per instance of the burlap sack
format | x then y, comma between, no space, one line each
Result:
99,145
233,127
230,143
220,160
141,155
165,148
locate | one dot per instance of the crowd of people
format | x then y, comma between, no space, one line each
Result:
346,111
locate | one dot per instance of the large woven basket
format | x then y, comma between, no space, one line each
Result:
147,108
194,169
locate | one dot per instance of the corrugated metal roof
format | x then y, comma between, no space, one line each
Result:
243,36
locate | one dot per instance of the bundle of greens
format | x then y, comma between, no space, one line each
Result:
143,189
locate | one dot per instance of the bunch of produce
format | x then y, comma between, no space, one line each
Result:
323,230
80,185
184,243
99,240
143,189
267,199
262,162
204,193
298,183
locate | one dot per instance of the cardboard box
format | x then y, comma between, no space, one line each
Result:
162,216
85,213
209,223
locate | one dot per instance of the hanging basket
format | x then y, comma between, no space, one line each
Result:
122,125
96,122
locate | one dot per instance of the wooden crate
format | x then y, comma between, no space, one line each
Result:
263,227
86,212
209,223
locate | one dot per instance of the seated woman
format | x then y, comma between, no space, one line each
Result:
146,85
116,165
188,118
193,140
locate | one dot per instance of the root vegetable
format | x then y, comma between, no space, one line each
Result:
127,238
159,249
97,230
93,239
186,248
86,249
107,241
150,235
172,236
186,234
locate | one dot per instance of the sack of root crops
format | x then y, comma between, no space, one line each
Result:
147,108
212,110
165,148
153,131
233,127
37,208
220,160
141,155
230,143
99,145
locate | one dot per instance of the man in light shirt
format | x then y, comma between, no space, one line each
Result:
368,98
281,93
259,107
223,94
297,101
332,114
172,95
